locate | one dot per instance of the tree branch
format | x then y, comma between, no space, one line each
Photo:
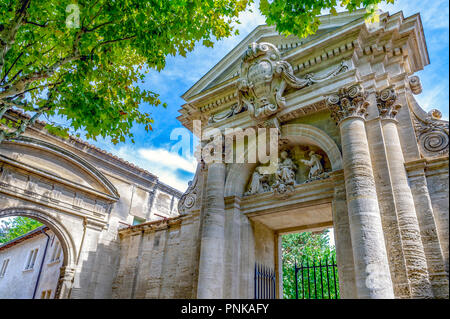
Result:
8,35
4,135
12,65
111,41
36,24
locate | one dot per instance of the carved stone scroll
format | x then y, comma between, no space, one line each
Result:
432,134
265,76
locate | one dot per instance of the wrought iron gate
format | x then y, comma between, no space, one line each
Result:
264,282
318,281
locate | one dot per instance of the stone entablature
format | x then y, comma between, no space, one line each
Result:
401,56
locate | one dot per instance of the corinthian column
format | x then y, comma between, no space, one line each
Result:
211,269
372,276
413,250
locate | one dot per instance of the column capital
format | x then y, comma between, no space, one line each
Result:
348,102
386,103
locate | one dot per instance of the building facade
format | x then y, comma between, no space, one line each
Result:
84,195
30,265
354,151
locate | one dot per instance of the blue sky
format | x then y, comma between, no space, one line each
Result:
152,151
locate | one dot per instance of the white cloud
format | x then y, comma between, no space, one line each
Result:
160,162
162,156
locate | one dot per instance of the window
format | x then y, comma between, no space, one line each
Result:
4,266
137,220
45,294
56,255
31,259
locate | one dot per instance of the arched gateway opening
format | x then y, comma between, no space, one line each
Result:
43,271
63,191
314,201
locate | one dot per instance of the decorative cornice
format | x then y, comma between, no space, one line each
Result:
348,102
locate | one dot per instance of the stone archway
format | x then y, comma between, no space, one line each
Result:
239,173
67,243
313,206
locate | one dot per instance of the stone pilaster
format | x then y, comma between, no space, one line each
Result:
428,228
211,267
413,252
372,276
344,252
386,204
65,281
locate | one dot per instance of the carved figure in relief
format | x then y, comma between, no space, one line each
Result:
286,169
314,163
285,176
258,182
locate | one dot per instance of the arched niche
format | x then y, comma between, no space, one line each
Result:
295,134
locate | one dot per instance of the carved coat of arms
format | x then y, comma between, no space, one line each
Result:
264,77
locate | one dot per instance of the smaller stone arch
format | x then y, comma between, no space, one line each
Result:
308,134
239,173
63,235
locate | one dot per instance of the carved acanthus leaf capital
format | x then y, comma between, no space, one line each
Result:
386,103
348,102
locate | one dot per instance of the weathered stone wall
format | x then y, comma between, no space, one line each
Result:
158,260
85,193
438,188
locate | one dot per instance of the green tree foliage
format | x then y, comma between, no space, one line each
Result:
307,248
13,228
83,59
301,17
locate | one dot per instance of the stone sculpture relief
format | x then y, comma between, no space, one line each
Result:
221,116
285,175
283,181
316,168
259,182
264,77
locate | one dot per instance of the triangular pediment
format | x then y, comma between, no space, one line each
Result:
228,67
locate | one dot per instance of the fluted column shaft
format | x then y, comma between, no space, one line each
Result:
372,274
211,267
413,250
